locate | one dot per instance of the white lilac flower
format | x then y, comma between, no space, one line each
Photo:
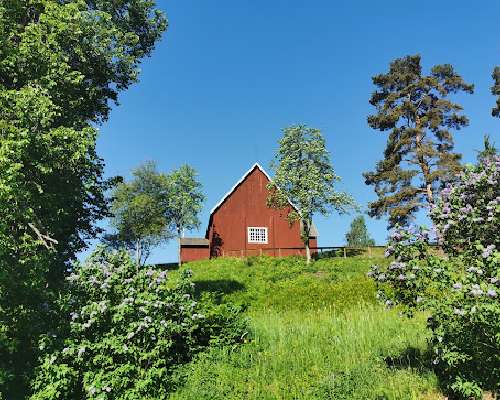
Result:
389,303
92,390
458,311
186,295
81,350
130,335
419,299
412,276
65,350
381,277
488,251
476,290
107,389
370,274
401,277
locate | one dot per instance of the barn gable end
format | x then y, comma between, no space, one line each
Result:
241,223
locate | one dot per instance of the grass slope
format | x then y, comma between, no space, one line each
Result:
317,333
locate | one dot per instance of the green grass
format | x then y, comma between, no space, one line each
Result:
316,333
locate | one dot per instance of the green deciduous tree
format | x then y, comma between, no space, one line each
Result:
358,235
61,63
139,215
419,156
305,177
184,201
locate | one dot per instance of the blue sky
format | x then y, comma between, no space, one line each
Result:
228,75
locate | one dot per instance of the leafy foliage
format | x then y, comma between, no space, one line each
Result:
460,291
419,156
139,215
128,331
184,200
61,63
358,235
305,177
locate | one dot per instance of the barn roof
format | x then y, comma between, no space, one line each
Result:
195,242
314,230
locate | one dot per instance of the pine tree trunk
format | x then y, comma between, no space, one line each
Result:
424,166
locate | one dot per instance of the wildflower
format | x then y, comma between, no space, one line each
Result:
370,274
419,299
389,303
457,286
381,277
458,311
491,293
81,350
401,277
65,350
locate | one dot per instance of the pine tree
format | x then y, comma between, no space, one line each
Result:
495,90
419,156
358,235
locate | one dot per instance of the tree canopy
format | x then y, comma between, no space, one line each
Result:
184,202
304,176
358,235
420,118
139,216
495,90
61,64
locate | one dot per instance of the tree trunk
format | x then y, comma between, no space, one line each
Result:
179,236
424,166
137,255
308,252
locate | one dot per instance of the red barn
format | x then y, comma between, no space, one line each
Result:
241,224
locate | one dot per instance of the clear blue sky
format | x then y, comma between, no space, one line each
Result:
228,75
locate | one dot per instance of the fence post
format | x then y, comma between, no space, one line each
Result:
279,252
260,251
345,255
369,251
241,253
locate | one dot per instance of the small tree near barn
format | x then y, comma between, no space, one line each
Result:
184,201
358,235
304,177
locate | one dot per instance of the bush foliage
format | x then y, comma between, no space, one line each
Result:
127,332
462,290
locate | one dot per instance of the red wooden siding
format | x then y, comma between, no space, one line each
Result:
246,207
192,253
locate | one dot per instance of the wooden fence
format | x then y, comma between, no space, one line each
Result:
317,252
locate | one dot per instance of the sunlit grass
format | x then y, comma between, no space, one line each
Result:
316,333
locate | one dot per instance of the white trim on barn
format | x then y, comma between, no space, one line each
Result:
314,230
238,183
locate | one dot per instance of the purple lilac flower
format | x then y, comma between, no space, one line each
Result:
401,277
457,286
491,293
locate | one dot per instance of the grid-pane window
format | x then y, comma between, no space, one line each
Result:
257,235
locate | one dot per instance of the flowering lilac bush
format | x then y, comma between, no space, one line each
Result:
127,332
462,290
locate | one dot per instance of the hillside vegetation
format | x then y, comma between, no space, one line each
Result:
315,332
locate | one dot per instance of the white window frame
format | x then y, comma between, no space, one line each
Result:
254,234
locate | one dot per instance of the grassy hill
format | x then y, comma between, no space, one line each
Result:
317,332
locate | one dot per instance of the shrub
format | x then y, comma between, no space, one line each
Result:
128,331
462,290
